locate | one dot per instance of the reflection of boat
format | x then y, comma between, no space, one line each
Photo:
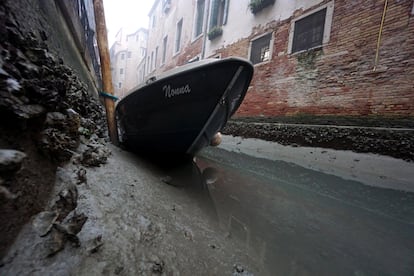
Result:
180,111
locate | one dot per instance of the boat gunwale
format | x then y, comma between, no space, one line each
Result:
176,72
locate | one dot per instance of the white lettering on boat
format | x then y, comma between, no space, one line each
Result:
172,92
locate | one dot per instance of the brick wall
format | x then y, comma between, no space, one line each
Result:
189,51
339,78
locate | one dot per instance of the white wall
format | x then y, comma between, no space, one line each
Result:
241,20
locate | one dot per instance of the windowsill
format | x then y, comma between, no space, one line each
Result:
320,47
197,38
262,63
176,53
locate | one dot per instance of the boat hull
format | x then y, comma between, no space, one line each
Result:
181,112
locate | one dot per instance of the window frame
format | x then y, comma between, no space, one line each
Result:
164,50
326,32
156,57
178,36
271,41
197,19
218,14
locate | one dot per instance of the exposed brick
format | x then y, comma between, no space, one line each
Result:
339,80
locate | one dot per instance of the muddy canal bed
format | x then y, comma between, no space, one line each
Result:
226,212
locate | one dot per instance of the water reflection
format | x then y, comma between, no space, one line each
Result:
293,220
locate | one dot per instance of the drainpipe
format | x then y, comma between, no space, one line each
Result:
207,13
379,35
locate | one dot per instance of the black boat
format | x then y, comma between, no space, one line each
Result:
180,111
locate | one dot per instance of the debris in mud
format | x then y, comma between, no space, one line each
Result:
118,270
55,243
66,202
152,265
95,244
44,221
72,227
158,267
147,229
5,194
239,270
11,160
167,179
64,232
94,155
81,176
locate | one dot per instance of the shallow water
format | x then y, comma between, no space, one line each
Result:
293,220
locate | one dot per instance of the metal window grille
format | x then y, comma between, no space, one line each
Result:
308,32
260,49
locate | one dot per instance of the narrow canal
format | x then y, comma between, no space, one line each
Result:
293,220
230,213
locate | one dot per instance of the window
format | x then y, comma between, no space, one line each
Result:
122,56
119,84
152,61
178,36
311,30
142,51
219,11
153,21
199,18
164,49
129,54
260,49
121,71
412,11
156,57
166,5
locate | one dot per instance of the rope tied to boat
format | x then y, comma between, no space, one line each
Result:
107,95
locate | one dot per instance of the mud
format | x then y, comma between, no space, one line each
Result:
392,137
137,225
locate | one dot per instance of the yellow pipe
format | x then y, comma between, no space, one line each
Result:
379,35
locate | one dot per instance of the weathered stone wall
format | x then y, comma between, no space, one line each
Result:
48,107
339,78
46,21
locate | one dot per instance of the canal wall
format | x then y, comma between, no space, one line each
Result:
48,105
